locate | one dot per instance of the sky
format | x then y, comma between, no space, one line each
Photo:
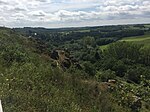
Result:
72,13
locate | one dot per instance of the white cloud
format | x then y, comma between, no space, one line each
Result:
68,12
39,13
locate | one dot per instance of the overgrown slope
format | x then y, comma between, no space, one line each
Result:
116,79
28,83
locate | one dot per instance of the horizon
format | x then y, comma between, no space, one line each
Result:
75,26
73,13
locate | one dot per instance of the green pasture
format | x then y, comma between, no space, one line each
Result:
136,38
145,39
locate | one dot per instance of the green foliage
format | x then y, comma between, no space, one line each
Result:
133,75
89,41
104,41
104,76
28,82
120,68
12,54
121,57
108,63
89,68
122,50
145,55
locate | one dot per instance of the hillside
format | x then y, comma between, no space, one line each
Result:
52,70
29,83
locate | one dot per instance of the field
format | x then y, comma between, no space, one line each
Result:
145,39
148,25
138,39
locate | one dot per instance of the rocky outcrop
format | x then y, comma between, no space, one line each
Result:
63,58
54,55
66,63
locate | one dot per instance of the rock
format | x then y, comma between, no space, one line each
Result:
54,55
66,63
104,86
112,81
136,104
111,84
61,57
54,63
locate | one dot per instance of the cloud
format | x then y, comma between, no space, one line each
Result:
70,12
39,13
2,19
2,2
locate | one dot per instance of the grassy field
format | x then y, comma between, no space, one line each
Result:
136,38
148,25
145,39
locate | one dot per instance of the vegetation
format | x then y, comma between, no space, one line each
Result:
94,69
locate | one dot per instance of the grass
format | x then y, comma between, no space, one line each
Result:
148,25
136,38
83,31
28,83
103,47
145,39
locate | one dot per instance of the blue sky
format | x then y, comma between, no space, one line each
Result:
72,13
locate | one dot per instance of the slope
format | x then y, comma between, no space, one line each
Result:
28,82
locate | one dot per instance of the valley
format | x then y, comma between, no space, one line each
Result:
85,69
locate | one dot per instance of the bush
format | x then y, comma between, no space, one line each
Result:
104,76
89,68
120,68
13,54
133,75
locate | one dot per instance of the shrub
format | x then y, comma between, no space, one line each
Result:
89,68
104,76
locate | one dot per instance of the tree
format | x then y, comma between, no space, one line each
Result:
89,68
133,75
89,41
120,68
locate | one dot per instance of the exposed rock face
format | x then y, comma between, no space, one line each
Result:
62,57
66,63
105,86
54,63
54,55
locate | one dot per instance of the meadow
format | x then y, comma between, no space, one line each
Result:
144,39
